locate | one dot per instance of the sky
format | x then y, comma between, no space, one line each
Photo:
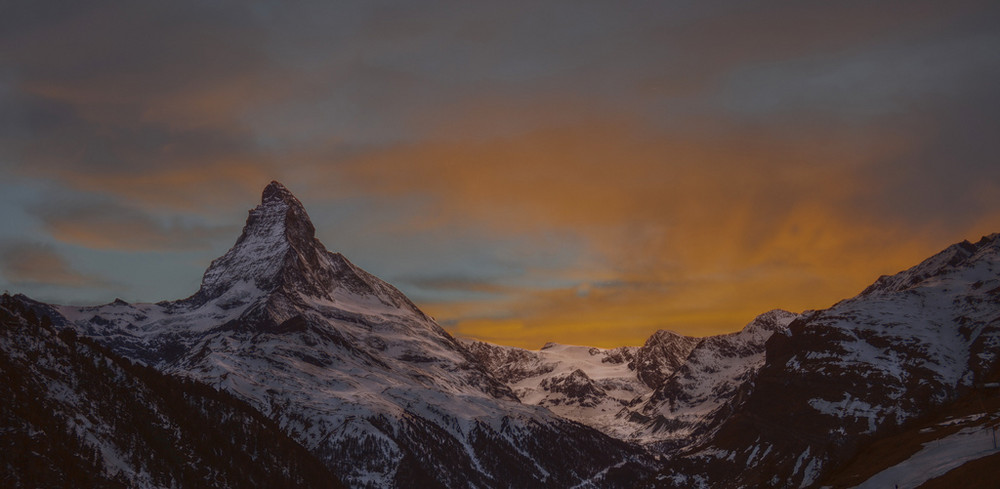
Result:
579,172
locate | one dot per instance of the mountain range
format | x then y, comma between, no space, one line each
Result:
297,365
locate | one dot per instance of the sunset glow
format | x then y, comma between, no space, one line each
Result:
578,173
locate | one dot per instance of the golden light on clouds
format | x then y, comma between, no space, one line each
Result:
698,234
527,172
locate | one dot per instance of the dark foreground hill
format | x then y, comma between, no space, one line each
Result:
76,415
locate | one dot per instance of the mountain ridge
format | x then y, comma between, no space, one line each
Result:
865,367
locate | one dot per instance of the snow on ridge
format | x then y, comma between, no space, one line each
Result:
146,320
956,258
586,384
607,393
917,326
712,373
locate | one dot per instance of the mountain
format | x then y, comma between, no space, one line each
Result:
585,384
669,393
76,415
838,379
348,367
708,386
302,368
660,357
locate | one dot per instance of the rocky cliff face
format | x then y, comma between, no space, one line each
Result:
709,386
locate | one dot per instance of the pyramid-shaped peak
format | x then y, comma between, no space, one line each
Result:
277,233
277,252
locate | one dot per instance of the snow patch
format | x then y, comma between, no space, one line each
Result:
935,459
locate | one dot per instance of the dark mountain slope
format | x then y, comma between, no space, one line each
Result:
908,345
75,415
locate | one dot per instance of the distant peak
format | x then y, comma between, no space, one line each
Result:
773,320
666,333
666,337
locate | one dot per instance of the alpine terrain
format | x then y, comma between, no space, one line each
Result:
348,367
295,363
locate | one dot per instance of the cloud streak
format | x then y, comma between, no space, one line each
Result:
108,226
38,264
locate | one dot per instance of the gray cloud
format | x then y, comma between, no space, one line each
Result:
106,225
37,263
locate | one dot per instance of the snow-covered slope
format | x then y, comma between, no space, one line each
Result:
348,366
74,415
936,458
586,384
666,393
700,393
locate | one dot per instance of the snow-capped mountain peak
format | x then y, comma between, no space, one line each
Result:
278,252
662,354
345,364
277,233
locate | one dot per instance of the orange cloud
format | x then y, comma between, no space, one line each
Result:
593,133
696,232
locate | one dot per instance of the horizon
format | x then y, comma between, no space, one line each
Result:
533,348
583,174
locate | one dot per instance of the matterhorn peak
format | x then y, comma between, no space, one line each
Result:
273,230
278,252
